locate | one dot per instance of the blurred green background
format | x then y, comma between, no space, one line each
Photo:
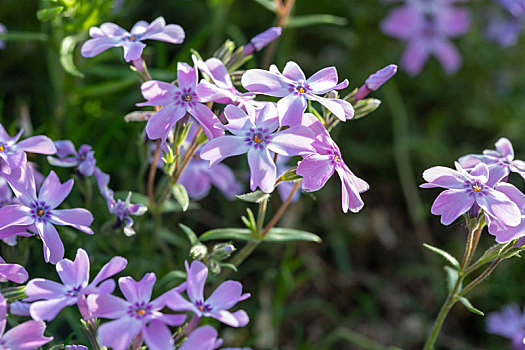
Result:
370,283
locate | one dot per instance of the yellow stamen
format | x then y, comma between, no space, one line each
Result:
2,148
187,98
201,308
40,212
141,312
132,38
477,188
336,158
301,90
257,139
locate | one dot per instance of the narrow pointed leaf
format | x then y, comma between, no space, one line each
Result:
189,232
239,234
279,234
181,196
449,258
469,306
253,197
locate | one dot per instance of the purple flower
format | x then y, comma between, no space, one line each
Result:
83,160
375,81
500,162
258,42
202,338
111,35
504,30
257,136
138,313
121,209
515,7
3,30
177,101
217,305
464,190
509,323
40,212
19,308
53,296
505,233
12,272
76,347
318,166
426,26
12,152
26,336
296,90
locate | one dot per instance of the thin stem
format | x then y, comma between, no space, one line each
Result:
481,277
187,156
151,175
281,210
283,15
260,216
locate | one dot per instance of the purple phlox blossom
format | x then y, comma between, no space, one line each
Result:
500,161
505,233
110,35
12,272
12,152
285,187
258,42
26,336
515,7
20,308
227,295
426,26
138,313
509,323
202,338
222,90
51,296
121,209
83,160
177,102
76,347
296,90
40,211
505,28
318,166
375,81
9,234
3,30
466,189
257,136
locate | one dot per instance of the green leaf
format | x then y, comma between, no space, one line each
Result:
181,196
67,48
290,175
309,20
279,234
268,4
250,221
254,197
239,234
23,36
47,14
449,258
452,277
230,266
189,232
469,306
171,278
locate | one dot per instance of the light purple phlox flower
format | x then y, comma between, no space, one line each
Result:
52,296
257,136
110,35
216,305
515,7
296,90
506,233
12,272
509,323
138,313
83,160
40,211
319,166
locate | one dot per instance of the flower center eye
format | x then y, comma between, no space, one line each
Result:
2,148
477,188
336,158
201,308
257,139
187,98
141,312
40,212
132,38
301,90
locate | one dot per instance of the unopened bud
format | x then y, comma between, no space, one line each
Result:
364,107
380,77
138,116
333,94
214,266
198,251
223,251
258,42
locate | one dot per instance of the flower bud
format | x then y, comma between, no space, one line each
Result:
380,77
214,266
223,251
198,251
258,42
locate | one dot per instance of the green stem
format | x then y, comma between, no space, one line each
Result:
481,277
260,216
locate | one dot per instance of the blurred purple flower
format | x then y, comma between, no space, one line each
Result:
426,26
515,7
217,305
176,102
40,212
466,189
137,314
110,35
509,323
202,338
257,136
83,160
375,81
53,296
12,272
3,30
12,152
258,42
296,90
318,166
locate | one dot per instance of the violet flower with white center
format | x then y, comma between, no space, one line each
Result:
258,42
177,101
509,323
40,211
375,81
110,35
83,160
202,338
426,26
12,272
121,209
466,189
51,297
318,166
500,162
137,314
12,152
296,90
257,136
216,305
26,336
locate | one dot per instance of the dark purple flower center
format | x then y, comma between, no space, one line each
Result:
74,292
132,38
186,97
202,307
257,137
336,157
476,188
299,88
139,310
40,211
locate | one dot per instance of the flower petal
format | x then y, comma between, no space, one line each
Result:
186,76
451,204
291,109
315,169
37,144
499,207
262,170
74,274
107,306
40,288
53,246
47,310
202,338
266,83
222,147
207,120
293,72
197,274
78,218
323,81
137,291
292,141
26,336
114,266
118,334
157,336
53,192
237,319
225,296
160,123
